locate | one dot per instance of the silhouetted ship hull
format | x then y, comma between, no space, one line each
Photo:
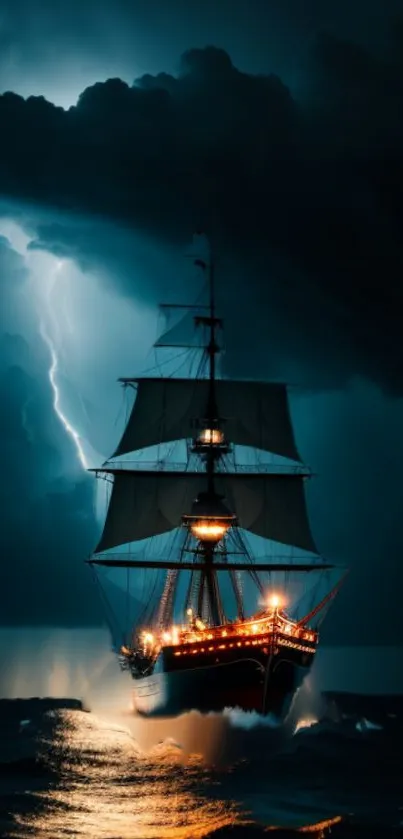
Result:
254,665
188,649
249,683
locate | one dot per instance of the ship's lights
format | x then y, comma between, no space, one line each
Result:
199,624
288,634
209,530
148,637
274,601
211,436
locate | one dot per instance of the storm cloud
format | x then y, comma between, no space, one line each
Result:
58,49
301,197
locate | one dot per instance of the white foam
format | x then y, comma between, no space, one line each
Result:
367,725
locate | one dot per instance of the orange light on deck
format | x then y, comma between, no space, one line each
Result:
274,601
209,530
148,637
200,624
211,436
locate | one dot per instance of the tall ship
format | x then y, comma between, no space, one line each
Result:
224,589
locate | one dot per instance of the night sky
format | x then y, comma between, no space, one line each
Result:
277,127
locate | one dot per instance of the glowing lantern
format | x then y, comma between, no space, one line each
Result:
211,436
209,520
148,637
209,530
274,601
199,624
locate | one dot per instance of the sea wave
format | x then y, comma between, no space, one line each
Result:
339,829
64,771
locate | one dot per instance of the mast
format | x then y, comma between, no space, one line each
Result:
208,578
212,349
213,591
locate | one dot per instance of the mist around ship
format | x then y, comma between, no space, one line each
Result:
79,665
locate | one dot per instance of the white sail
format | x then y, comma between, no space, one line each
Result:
144,504
255,414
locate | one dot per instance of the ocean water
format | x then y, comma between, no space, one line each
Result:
335,769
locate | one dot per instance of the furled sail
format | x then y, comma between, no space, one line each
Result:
146,503
255,414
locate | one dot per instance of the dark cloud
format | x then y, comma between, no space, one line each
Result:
301,197
58,49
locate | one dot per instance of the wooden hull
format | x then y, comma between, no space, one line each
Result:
248,680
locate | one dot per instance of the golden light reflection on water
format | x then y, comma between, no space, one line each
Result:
106,787
319,830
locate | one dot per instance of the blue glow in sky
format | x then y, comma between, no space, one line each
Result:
89,334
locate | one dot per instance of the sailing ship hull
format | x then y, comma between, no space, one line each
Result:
248,683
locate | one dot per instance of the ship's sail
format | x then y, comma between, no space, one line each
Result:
253,414
146,503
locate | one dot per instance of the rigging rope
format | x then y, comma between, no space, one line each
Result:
323,603
111,620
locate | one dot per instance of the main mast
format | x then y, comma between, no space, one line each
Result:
212,349
208,577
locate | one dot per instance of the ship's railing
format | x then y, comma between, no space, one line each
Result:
272,626
239,633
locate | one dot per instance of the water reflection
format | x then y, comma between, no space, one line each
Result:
107,788
102,786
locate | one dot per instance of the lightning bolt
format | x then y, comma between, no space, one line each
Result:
52,373
43,280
